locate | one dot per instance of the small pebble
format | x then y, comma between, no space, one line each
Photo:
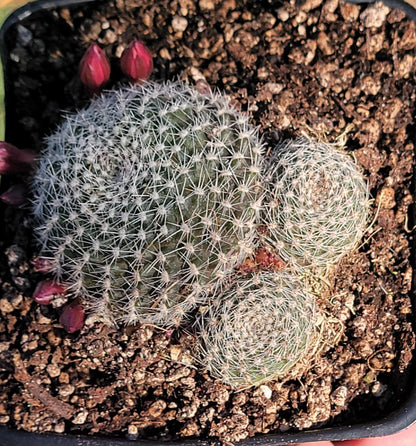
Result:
339,396
378,388
179,24
4,346
283,14
207,5
132,430
15,254
80,417
24,35
14,56
66,390
164,54
5,306
110,36
175,352
53,370
375,15
267,391
156,409
59,428
386,198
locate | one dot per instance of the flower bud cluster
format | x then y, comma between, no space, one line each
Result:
94,69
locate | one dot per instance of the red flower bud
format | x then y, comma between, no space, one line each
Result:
14,160
94,69
137,62
46,290
15,195
73,316
42,265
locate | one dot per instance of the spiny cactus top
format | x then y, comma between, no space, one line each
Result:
317,204
146,198
257,330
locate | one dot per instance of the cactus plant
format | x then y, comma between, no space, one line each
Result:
146,199
317,203
258,330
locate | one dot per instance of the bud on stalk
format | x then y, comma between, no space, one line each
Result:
94,69
137,62
46,291
72,317
15,195
14,160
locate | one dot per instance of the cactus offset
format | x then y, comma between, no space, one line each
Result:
146,199
317,203
258,330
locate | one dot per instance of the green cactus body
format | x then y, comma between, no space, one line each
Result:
316,205
146,199
257,330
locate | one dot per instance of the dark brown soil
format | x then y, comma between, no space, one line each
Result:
327,67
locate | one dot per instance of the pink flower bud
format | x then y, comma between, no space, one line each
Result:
15,195
137,62
42,265
73,316
46,290
94,69
14,160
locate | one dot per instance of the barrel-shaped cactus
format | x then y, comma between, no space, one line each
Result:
316,205
146,199
257,330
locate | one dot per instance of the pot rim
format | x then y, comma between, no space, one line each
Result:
396,421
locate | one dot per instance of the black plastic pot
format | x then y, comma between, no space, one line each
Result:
395,421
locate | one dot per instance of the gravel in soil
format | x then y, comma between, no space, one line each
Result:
327,67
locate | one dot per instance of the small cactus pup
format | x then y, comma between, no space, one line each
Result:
260,329
316,204
145,200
